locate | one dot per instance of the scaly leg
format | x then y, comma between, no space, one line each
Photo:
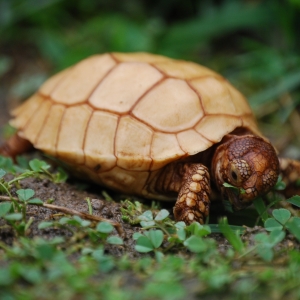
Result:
290,170
15,146
193,201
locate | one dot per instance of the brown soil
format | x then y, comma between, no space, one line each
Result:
70,196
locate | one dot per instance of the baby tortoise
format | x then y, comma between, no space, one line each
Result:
148,125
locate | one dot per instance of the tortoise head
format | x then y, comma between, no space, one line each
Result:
248,163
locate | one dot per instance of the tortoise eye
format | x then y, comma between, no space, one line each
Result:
235,174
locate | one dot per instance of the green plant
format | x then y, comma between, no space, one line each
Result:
160,227
14,209
15,212
33,168
41,264
283,220
265,243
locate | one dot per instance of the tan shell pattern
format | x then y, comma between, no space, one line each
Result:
119,118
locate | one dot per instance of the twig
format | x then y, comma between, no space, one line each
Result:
70,211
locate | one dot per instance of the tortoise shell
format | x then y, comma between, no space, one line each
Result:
119,118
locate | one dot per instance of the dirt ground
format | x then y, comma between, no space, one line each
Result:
70,196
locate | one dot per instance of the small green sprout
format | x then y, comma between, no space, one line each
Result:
232,236
33,168
261,208
283,220
15,212
280,185
106,196
2,173
5,207
239,190
280,218
295,200
265,243
158,228
151,241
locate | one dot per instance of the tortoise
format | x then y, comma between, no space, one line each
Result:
152,126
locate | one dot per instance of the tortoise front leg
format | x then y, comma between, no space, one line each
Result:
14,146
193,201
290,171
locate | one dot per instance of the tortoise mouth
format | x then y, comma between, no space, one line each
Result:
234,197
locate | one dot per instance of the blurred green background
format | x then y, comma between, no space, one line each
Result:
254,44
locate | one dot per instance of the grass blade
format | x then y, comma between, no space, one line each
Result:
231,236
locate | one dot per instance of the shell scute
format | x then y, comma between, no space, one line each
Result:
47,138
132,144
164,149
215,96
120,179
35,124
72,133
82,79
170,106
139,57
191,142
210,126
123,86
183,69
99,141
24,112
48,87
250,124
242,107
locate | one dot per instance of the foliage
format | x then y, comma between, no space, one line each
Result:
178,235
76,263
32,168
38,268
253,44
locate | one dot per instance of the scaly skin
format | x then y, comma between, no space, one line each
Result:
15,146
246,162
193,198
